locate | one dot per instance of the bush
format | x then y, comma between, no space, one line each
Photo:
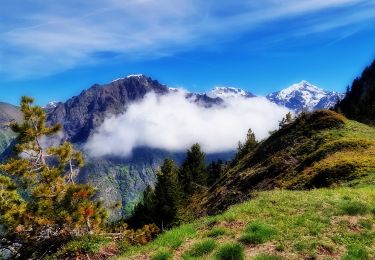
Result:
90,244
162,255
353,208
257,233
356,253
215,232
230,251
202,248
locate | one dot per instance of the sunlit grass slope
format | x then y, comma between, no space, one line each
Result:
318,224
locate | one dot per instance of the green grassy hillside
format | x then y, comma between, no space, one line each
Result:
334,223
322,149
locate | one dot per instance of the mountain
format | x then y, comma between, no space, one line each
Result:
117,179
320,149
229,92
81,114
359,102
8,113
305,96
204,100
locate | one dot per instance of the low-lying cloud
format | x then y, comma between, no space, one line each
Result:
173,123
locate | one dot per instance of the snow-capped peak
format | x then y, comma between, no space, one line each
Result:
134,76
51,105
129,76
304,95
228,92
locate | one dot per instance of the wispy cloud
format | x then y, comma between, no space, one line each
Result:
40,38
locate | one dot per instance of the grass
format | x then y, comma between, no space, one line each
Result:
267,257
354,208
356,253
230,251
163,255
216,232
257,233
288,224
201,248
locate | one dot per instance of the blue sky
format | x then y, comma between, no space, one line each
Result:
52,50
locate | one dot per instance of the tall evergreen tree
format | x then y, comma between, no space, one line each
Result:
214,171
167,193
245,148
193,174
54,203
159,206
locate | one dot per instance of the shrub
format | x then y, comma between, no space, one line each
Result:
257,233
89,244
230,251
215,232
162,255
353,208
202,248
356,253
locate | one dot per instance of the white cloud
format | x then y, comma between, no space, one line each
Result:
41,38
173,123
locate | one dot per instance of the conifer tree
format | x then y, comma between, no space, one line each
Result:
159,206
248,146
193,174
167,193
12,206
214,171
53,201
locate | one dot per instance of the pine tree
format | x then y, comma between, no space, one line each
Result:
245,148
167,193
53,201
12,206
159,206
193,174
214,171
286,120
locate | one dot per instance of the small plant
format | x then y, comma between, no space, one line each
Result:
267,257
257,233
89,244
365,224
353,208
216,232
280,247
162,255
356,253
230,251
202,248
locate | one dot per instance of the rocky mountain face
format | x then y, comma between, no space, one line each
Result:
229,92
81,114
305,96
8,113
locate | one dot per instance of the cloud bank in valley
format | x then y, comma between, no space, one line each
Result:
173,123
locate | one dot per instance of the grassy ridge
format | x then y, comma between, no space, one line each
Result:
322,149
323,223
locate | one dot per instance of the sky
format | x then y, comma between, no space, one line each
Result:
52,50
